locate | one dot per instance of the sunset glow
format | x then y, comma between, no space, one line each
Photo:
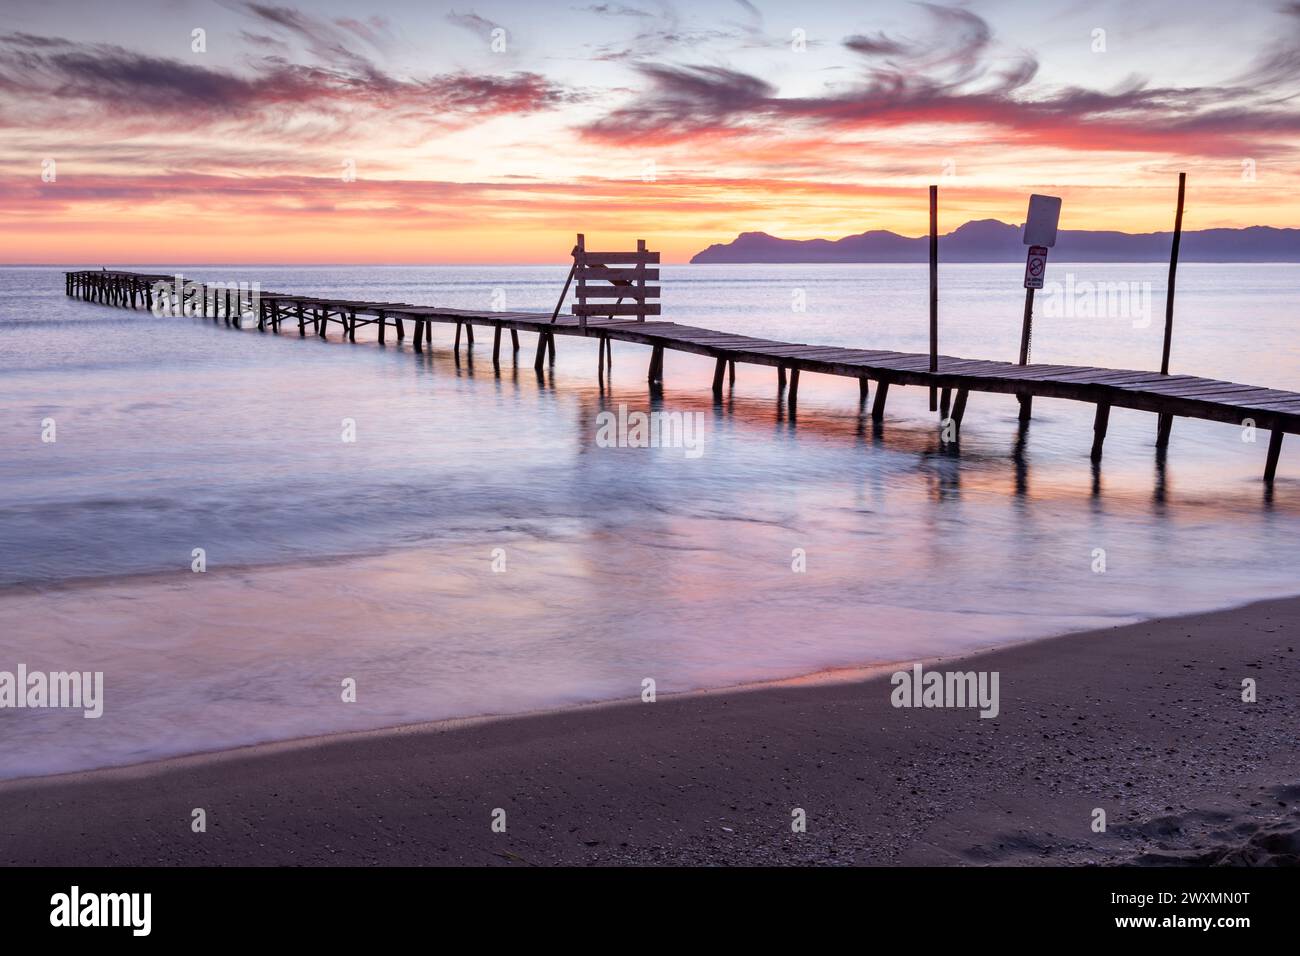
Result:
493,133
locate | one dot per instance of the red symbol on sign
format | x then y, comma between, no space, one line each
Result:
1034,266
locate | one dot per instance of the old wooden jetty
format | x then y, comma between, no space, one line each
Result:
1273,410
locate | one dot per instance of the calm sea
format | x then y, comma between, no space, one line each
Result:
477,551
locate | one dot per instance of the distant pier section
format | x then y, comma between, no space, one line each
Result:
1188,396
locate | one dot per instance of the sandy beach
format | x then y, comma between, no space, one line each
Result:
1145,722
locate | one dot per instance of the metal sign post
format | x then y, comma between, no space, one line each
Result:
1040,235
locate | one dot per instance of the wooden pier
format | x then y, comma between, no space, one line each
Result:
1166,396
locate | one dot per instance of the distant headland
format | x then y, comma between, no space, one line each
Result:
988,240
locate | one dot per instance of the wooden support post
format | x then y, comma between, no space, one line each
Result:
428,334
719,370
656,374
864,390
1165,421
541,351
878,407
934,286
1173,273
1099,429
418,340
352,326
780,379
456,346
1164,425
400,324
1274,452
302,319
731,375
794,387
514,339
577,256
550,346
323,316
469,335
383,326
496,346
959,408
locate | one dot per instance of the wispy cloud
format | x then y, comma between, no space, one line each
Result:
60,82
956,76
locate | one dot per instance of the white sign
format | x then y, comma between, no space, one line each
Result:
1040,222
1035,266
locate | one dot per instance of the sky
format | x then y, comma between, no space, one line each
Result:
226,131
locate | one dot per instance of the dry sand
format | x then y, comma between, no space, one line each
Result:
1144,721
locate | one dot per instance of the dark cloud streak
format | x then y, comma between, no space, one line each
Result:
953,76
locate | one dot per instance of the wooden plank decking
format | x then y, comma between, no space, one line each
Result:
1186,396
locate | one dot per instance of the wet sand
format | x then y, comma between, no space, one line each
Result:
1144,721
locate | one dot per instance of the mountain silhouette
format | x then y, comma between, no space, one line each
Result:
988,240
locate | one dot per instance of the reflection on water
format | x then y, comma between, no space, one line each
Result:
373,559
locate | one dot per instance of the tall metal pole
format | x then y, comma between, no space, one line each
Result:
1026,334
1166,421
1173,272
934,291
1026,327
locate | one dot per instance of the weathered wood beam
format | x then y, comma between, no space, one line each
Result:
1274,453
959,408
1099,425
878,407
